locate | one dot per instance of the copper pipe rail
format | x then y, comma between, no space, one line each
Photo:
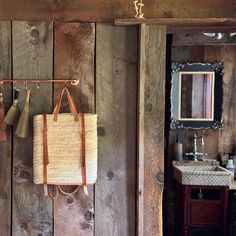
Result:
74,81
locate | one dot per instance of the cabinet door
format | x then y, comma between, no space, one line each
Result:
205,212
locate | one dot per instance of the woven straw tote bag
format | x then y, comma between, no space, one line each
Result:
65,147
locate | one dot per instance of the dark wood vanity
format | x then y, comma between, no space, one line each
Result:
204,214
232,210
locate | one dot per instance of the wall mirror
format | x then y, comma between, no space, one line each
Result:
196,95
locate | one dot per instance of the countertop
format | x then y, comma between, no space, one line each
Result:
233,185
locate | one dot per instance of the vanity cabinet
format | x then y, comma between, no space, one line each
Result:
232,213
201,210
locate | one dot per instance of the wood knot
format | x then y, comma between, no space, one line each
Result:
86,226
23,225
3,194
70,200
34,32
148,107
101,131
110,175
160,177
89,216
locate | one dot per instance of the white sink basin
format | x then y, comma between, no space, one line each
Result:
201,173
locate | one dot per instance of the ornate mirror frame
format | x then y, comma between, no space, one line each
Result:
217,122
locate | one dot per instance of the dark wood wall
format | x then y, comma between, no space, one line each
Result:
185,48
105,58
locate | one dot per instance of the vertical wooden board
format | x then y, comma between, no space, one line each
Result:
116,77
32,59
227,136
151,128
74,56
5,147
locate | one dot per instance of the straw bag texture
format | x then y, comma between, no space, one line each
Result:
65,147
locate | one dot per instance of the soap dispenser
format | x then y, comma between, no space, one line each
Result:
178,150
230,166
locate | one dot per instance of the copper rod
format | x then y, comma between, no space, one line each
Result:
73,81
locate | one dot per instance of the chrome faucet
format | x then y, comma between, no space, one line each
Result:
195,154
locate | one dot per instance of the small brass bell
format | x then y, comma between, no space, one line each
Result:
22,128
13,114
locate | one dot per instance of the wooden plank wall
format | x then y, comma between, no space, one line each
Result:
5,147
116,105
74,57
32,47
43,50
151,129
215,141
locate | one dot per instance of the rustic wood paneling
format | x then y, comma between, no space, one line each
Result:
5,147
32,59
74,56
106,9
116,82
151,128
227,137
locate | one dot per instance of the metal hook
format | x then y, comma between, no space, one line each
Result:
25,85
74,81
14,85
1,87
38,86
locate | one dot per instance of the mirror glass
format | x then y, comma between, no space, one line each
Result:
196,96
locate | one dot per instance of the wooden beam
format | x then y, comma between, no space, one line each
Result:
5,147
178,21
74,56
151,129
116,70
32,58
71,10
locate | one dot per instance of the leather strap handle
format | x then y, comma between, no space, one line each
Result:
71,103
45,154
69,193
83,164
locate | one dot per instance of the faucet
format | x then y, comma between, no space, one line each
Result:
195,154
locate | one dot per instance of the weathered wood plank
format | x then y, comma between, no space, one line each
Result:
227,136
116,71
32,59
74,56
151,129
106,9
5,147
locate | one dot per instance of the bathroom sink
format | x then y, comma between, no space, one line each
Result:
201,173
